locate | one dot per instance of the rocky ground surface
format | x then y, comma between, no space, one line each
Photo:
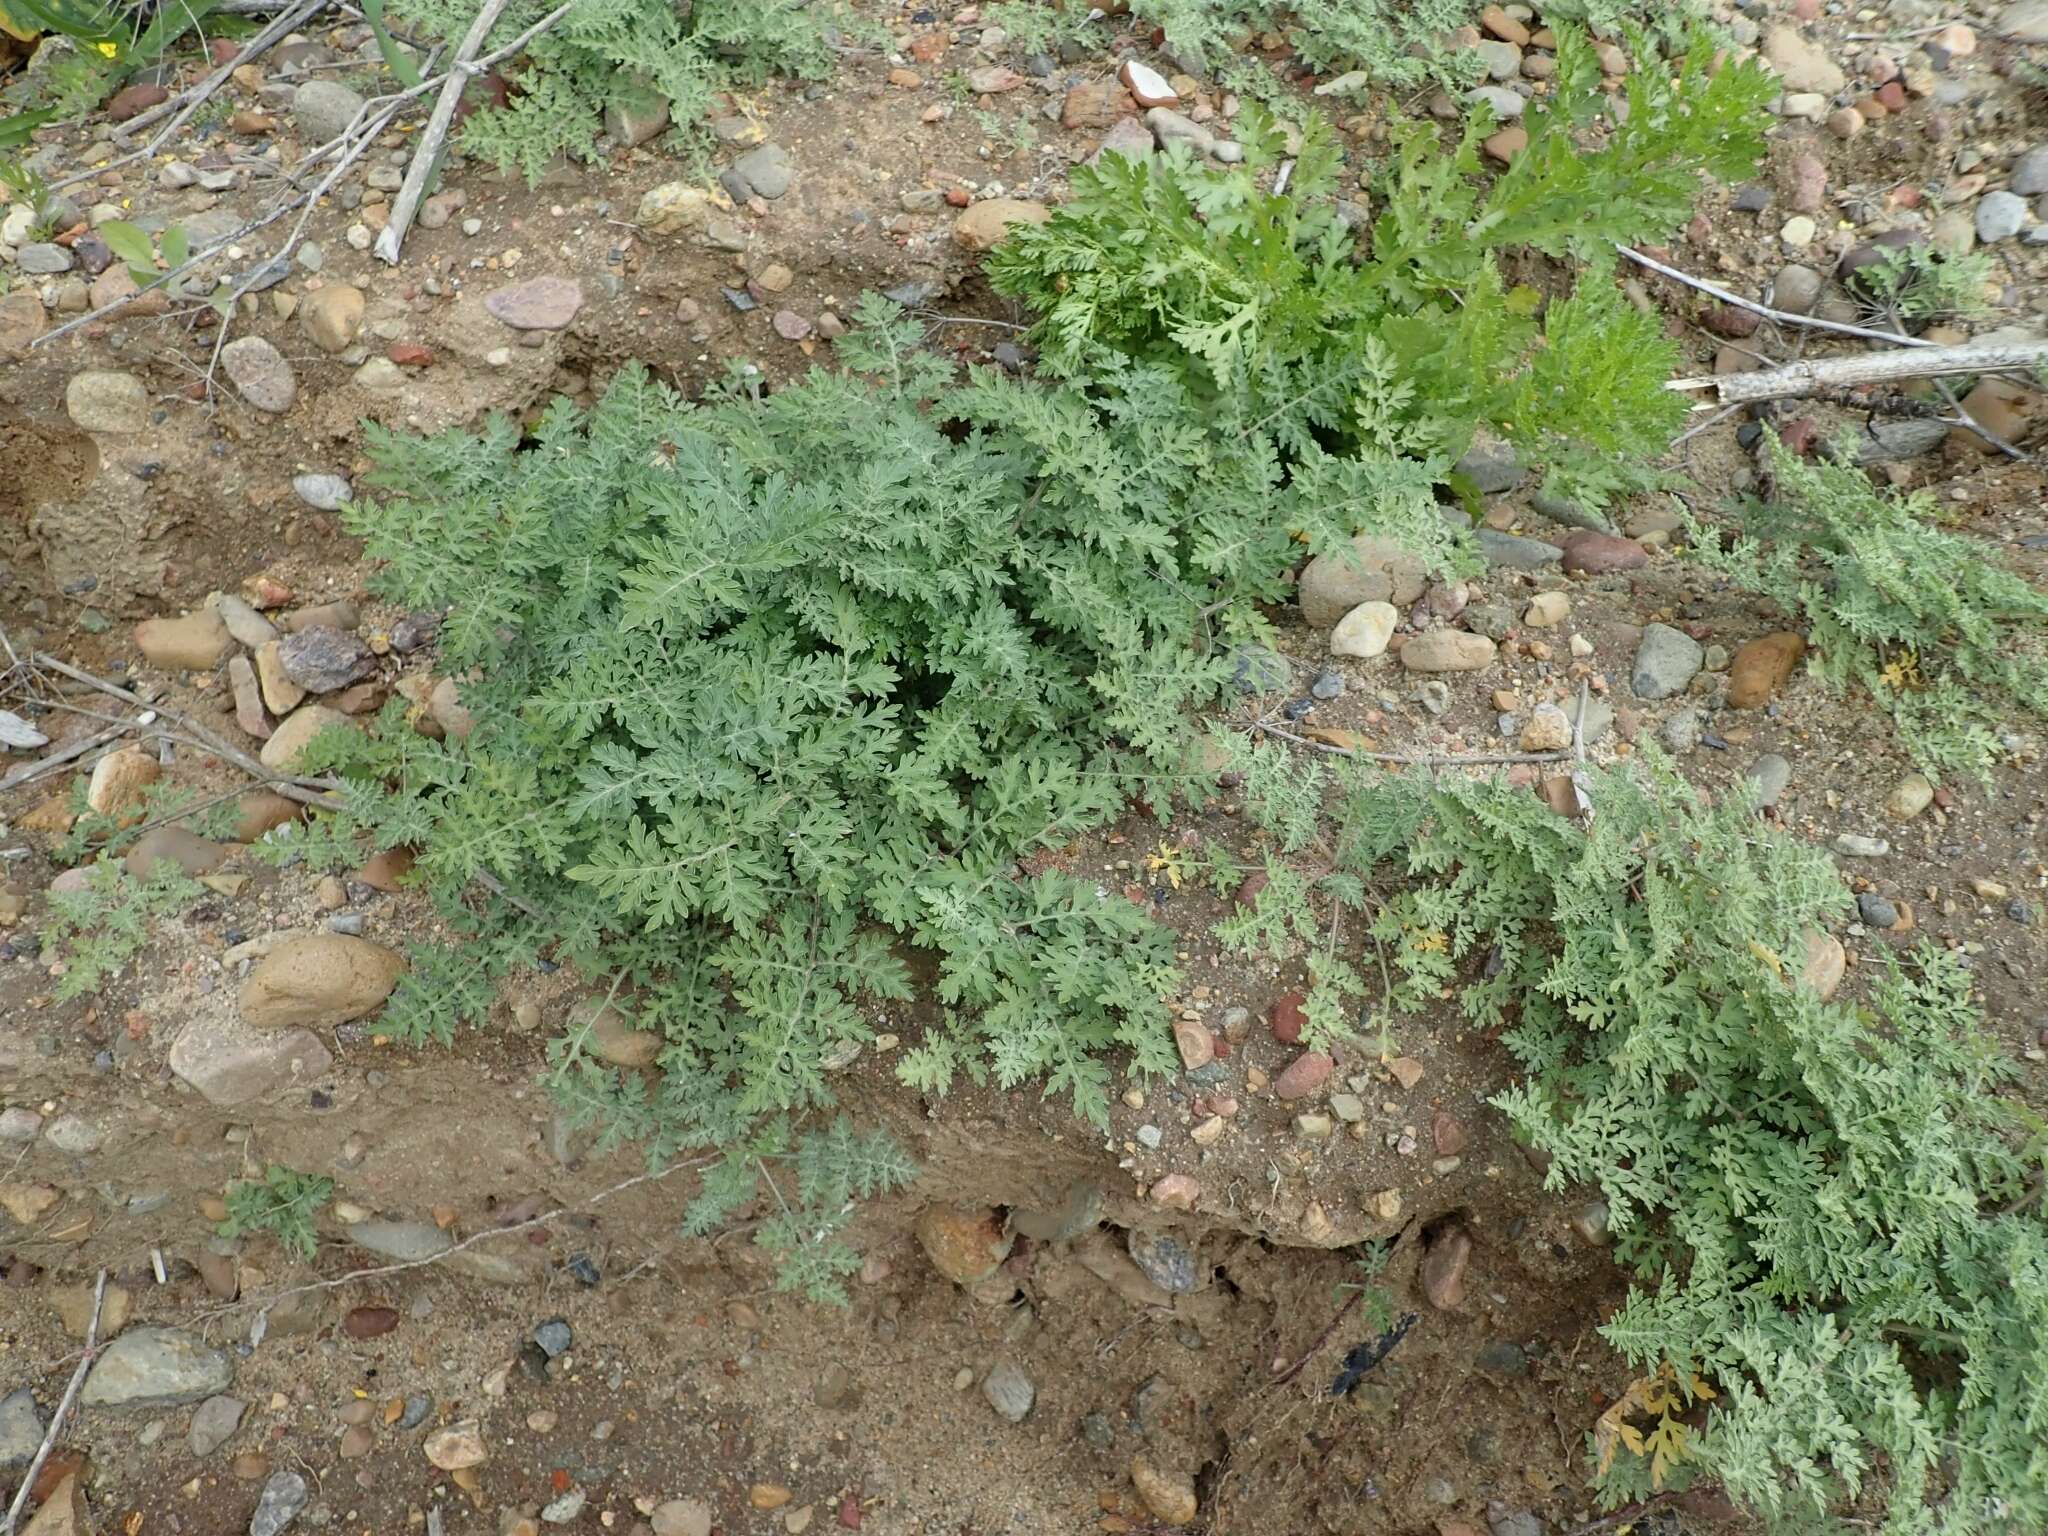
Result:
1056,1332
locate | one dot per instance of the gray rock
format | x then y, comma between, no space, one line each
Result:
1503,61
283,1496
245,624
21,1429
1493,620
561,1510
2030,172
1796,288
636,113
43,259
2025,22
1490,464
1503,1357
1327,686
1853,845
767,169
1876,910
1166,1261
2000,216
260,374
1513,1522
1770,774
1599,716
1170,127
100,401
1009,1391
156,1368
1883,442
1516,552
1666,660
554,1337
1507,106
74,1134
19,1124
230,1063
213,1421
405,1241
1682,731
322,660
323,109
325,493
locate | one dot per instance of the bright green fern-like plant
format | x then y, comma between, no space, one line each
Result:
1832,1212
284,1203
97,930
1408,338
611,50
1947,639
773,692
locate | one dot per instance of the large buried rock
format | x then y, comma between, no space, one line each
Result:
319,979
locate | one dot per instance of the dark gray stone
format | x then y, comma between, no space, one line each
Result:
283,1496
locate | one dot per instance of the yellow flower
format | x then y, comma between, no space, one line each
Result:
108,50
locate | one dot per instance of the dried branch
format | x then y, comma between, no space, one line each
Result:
85,1362
1781,316
379,1271
1413,759
307,791
1817,375
427,153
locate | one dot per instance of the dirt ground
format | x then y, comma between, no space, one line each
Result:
689,1377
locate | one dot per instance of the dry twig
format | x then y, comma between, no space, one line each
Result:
1413,759
426,153
1819,375
1781,316
85,1361
378,1271
307,791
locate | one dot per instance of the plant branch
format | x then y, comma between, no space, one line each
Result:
427,155
1781,316
85,1363
1818,375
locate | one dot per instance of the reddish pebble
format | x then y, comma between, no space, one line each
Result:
1247,892
1448,1135
1893,95
1286,1019
1731,321
225,50
849,1513
956,197
1806,10
1197,1046
1800,436
410,354
1599,554
369,1322
134,100
1304,1075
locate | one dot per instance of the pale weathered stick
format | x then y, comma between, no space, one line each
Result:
427,151
92,1339
1413,759
1781,316
191,101
305,791
28,773
378,1271
1794,380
